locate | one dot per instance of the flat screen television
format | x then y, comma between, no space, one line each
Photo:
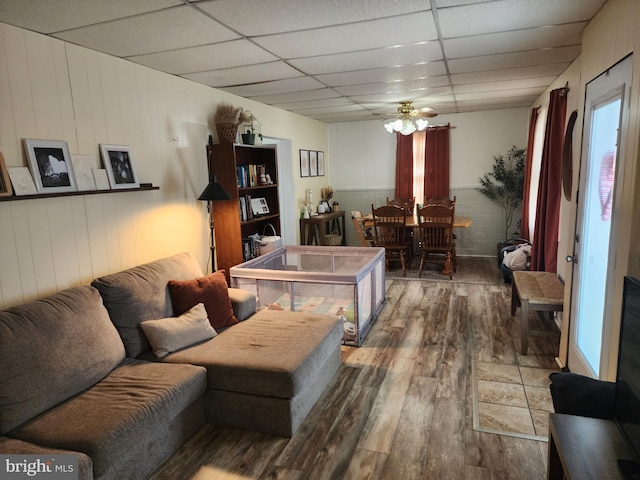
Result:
627,403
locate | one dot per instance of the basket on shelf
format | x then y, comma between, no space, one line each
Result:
227,132
332,239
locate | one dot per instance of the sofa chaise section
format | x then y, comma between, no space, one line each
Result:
264,373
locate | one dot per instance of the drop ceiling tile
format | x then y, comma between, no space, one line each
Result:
308,104
383,74
515,41
427,83
420,99
509,74
169,29
343,117
206,57
249,74
278,86
506,15
297,96
502,94
264,17
385,57
328,110
505,85
515,59
401,30
56,15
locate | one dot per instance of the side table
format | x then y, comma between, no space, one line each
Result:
313,230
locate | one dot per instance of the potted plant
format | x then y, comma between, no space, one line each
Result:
505,184
249,135
227,119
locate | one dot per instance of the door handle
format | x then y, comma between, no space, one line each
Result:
572,258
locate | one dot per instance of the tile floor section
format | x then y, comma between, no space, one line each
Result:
511,400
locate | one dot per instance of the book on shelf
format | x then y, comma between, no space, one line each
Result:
251,175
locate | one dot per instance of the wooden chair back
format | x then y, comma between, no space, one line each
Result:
365,233
436,236
436,214
445,201
408,203
389,225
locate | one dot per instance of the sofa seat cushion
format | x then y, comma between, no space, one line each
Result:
12,446
128,407
273,353
141,293
52,349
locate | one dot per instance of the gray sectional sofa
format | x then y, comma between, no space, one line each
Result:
77,374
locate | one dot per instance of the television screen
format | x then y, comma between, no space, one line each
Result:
627,406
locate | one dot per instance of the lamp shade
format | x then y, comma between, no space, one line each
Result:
214,191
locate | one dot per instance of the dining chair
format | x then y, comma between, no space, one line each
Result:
445,201
436,237
365,233
389,230
408,203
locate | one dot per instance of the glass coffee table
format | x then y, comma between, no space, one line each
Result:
344,281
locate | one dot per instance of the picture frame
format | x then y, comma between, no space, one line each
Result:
313,163
320,164
304,163
259,206
5,182
118,162
51,166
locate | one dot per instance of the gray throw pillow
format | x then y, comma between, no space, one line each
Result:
167,335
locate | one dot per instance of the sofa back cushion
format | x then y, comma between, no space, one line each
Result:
52,349
141,293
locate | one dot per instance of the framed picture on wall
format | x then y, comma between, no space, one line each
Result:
118,162
313,163
5,182
321,164
304,163
51,166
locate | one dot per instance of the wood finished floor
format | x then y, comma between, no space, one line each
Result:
400,406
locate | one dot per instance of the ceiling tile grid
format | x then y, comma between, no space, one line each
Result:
334,60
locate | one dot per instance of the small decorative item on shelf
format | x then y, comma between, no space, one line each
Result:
250,129
327,193
227,119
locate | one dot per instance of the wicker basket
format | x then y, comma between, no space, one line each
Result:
227,132
332,239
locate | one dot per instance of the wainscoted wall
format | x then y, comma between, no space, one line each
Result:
51,89
479,239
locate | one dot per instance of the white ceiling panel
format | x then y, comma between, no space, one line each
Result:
168,29
297,96
384,57
508,15
206,57
402,30
384,74
264,17
56,15
278,86
324,58
514,60
511,73
249,74
428,84
516,41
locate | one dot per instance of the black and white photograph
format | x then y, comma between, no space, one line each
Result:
118,162
51,166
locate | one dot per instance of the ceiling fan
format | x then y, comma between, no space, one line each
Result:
408,119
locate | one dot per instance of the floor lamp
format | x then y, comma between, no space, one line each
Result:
212,193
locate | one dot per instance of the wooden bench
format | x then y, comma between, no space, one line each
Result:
541,291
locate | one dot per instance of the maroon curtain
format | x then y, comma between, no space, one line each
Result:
404,166
545,242
436,162
524,223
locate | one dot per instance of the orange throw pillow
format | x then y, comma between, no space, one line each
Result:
211,291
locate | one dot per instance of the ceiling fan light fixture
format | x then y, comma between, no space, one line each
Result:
406,126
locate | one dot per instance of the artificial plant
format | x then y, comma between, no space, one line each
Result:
505,183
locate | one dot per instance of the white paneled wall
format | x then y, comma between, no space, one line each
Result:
50,89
